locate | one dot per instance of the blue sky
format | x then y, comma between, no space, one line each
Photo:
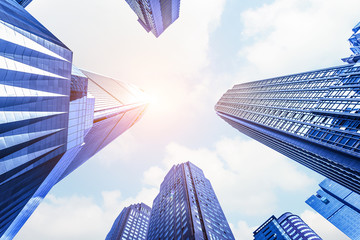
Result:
213,45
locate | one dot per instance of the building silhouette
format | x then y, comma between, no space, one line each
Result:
187,207
338,205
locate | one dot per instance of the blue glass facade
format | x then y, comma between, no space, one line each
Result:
24,3
53,116
35,73
311,117
296,228
338,205
271,229
287,227
187,208
155,15
354,45
131,224
112,108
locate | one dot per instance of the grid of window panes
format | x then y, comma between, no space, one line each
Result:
209,212
338,205
132,223
80,114
155,15
323,105
35,69
271,229
296,228
40,143
354,45
137,7
170,215
187,208
137,222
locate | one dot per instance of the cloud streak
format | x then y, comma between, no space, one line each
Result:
290,36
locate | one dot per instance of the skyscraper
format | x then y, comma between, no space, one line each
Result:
53,116
287,227
187,207
311,117
155,15
132,223
338,205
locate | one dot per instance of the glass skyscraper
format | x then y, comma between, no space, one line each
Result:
311,117
155,15
53,116
187,208
287,227
338,205
131,224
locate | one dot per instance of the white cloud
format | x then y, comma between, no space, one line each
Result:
298,35
119,151
154,176
242,231
322,227
65,218
79,217
115,44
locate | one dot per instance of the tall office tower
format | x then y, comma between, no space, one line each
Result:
132,223
311,117
155,15
24,3
338,205
287,227
53,117
187,207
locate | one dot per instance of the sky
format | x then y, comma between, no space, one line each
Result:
212,46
